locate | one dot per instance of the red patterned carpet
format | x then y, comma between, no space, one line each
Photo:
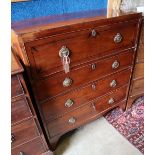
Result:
130,123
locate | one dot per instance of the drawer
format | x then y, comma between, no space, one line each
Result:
71,100
85,113
110,100
16,87
20,110
78,77
23,132
137,87
138,71
35,147
83,46
71,120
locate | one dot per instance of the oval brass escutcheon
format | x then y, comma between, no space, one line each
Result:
93,66
93,33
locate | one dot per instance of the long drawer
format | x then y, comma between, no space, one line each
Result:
83,45
34,147
20,110
23,132
71,100
78,77
81,115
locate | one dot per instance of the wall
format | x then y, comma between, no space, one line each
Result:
38,8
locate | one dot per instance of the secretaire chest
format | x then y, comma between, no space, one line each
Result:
79,65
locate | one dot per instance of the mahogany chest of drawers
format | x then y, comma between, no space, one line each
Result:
79,65
26,134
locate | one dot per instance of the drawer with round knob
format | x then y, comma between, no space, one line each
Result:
62,104
64,51
61,83
24,132
110,100
71,120
34,147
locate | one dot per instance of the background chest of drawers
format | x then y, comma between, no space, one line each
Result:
26,135
137,83
101,51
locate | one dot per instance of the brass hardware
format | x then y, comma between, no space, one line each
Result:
113,83
72,120
93,105
67,82
115,64
93,33
111,101
69,103
64,52
118,38
12,138
93,86
93,66
21,153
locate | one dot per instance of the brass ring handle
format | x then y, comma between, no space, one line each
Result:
93,33
113,83
64,52
21,153
111,101
69,103
115,64
118,38
67,82
72,120
12,138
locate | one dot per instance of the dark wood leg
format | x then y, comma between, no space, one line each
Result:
53,142
48,153
123,106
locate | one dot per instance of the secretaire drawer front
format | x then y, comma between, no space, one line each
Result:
55,85
16,87
111,100
23,132
35,147
69,101
84,45
71,120
20,110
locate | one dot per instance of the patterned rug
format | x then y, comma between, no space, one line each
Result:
130,123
